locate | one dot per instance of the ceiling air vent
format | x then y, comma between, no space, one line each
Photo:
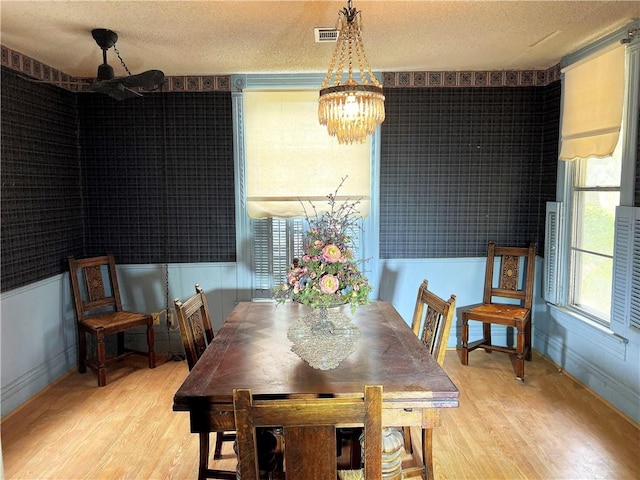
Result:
325,34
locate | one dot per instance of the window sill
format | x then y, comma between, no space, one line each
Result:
590,330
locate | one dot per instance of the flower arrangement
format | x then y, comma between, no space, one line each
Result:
327,274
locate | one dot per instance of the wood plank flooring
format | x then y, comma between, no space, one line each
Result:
550,427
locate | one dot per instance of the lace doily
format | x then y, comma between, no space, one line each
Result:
324,348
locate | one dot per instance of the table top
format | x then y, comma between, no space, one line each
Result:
252,350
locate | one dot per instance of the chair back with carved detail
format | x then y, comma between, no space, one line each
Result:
195,325
514,275
432,319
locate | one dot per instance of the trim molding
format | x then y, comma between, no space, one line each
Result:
606,387
17,392
29,66
222,83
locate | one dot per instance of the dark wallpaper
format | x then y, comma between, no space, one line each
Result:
40,194
158,177
151,179
463,166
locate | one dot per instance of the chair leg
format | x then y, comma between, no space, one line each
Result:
465,340
101,357
406,433
427,452
217,451
527,341
520,353
204,455
82,352
486,335
151,346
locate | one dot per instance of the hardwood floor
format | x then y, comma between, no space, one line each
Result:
550,427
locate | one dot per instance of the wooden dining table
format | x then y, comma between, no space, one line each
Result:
252,350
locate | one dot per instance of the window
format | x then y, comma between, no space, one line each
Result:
592,231
276,242
594,197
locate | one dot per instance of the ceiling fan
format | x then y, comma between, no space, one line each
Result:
120,88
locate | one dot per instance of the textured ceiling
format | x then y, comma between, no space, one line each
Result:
226,37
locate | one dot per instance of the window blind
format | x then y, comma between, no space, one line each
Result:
291,160
592,103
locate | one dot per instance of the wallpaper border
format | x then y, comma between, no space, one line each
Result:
222,83
40,71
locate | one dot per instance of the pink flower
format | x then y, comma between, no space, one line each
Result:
329,284
331,253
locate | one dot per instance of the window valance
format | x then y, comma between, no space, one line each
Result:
592,101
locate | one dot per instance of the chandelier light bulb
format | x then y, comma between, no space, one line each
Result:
351,108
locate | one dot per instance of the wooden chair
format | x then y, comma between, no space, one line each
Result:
432,319
511,284
309,426
197,334
98,310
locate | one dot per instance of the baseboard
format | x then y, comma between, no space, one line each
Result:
36,380
586,387
605,387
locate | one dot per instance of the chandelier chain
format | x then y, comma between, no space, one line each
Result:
362,59
340,67
350,51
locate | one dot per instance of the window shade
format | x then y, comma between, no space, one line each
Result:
592,102
291,160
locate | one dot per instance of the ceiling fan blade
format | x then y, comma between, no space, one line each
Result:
148,79
114,89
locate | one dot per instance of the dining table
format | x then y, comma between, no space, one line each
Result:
252,350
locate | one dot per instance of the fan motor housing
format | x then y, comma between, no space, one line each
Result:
105,72
104,37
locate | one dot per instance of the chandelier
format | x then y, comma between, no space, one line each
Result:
351,111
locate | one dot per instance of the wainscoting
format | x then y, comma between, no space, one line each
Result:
39,340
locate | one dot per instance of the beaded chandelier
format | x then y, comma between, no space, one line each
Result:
351,111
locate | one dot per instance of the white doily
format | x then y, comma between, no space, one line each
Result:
324,348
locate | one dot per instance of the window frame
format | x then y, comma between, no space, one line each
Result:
573,250
245,256
559,224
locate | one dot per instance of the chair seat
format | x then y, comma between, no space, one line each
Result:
498,313
114,321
